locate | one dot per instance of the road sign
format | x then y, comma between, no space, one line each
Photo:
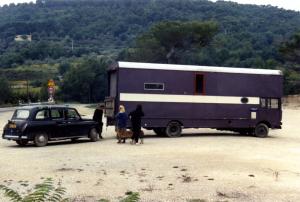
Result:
51,90
51,83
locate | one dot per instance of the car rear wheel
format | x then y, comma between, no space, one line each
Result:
22,142
94,136
261,130
173,129
41,139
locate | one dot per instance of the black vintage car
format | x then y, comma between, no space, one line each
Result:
41,124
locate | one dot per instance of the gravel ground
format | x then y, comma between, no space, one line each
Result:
203,164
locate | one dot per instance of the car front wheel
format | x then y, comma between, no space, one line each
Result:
94,136
22,142
41,139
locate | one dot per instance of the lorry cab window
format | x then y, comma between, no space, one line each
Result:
199,84
274,103
270,103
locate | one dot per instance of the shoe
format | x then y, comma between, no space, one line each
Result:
142,141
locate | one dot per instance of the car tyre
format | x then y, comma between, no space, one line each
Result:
22,143
94,135
41,139
173,129
261,130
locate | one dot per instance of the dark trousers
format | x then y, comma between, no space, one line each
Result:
136,135
99,129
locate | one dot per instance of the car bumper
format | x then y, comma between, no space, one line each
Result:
14,137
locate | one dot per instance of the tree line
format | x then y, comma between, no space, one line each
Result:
75,34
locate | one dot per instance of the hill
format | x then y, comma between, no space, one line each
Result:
62,39
248,35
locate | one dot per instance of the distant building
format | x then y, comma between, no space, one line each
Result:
23,38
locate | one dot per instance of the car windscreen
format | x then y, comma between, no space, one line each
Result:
21,114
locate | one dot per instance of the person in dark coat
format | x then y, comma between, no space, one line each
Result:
121,118
98,114
136,117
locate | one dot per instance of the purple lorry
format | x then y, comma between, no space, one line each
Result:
174,97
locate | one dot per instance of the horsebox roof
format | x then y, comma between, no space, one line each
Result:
155,66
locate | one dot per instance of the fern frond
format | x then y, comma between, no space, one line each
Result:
132,197
65,200
57,194
13,195
41,193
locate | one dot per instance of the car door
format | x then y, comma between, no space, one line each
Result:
60,124
75,125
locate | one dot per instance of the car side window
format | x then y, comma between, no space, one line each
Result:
57,113
72,114
42,114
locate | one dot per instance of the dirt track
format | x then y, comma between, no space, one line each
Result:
203,164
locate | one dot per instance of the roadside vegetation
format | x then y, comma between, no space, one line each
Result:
44,192
48,192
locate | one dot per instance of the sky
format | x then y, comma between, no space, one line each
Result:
286,4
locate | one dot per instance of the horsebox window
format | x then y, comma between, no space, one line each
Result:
263,102
154,86
199,84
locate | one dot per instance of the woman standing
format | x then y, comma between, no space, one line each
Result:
135,117
121,124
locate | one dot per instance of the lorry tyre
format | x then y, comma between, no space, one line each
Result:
94,136
22,142
160,131
173,129
41,139
261,130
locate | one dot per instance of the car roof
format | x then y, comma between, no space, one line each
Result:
30,107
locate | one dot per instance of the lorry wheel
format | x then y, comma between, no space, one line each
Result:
261,130
173,129
22,142
160,131
41,139
94,136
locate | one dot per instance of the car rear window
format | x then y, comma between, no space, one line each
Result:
21,114
57,113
